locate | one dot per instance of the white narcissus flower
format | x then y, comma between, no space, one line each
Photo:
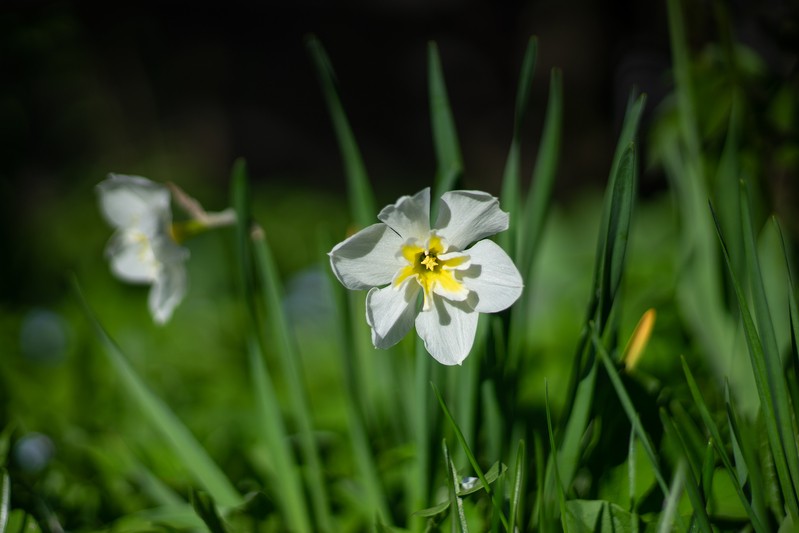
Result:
143,249
403,256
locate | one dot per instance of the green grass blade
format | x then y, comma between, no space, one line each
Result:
539,195
554,463
511,194
631,482
774,367
470,456
5,498
280,331
715,436
289,485
517,488
692,485
682,80
205,508
445,137
185,447
763,382
361,196
455,501
670,509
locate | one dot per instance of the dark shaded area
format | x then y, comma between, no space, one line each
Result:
177,91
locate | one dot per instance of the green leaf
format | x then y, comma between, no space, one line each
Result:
360,191
598,516
281,332
715,437
511,194
539,195
764,378
275,437
517,488
205,508
453,486
670,512
445,138
491,475
632,415
185,447
5,498
554,464
775,374
434,510
692,484
470,456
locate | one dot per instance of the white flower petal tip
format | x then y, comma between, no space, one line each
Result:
403,256
143,250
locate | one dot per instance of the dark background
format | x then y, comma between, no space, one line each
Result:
176,91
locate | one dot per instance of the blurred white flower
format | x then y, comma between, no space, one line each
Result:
405,257
144,249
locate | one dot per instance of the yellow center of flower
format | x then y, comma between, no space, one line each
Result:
429,269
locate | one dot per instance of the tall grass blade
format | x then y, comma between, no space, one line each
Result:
185,447
511,194
632,415
773,362
455,501
472,460
718,444
517,488
539,195
280,331
287,481
361,196
205,508
554,463
692,485
763,379
670,509
5,498
445,137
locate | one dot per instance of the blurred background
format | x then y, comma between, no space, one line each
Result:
176,92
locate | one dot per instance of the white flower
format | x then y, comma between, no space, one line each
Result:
404,256
143,249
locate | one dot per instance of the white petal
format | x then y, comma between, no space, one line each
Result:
410,216
130,201
167,291
131,257
468,216
390,312
493,277
447,329
369,258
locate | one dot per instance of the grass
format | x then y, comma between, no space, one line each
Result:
569,414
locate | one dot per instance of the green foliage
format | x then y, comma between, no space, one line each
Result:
267,408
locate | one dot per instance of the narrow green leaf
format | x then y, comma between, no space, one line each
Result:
280,330
536,206
434,510
5,498
453,486
715,437
670,512
289,494
445,138
692,484
516,491
205,508
185,447
491,475
632,415
470,456
682,78
360,191
708,468
511,194
774,368
554,463
631,468
763,382
599,516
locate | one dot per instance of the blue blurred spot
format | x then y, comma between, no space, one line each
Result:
43,337
33,451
